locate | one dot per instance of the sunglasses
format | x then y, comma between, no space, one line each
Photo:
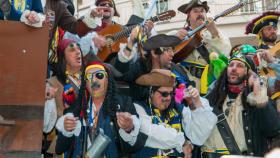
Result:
72,46
166,94
106,5
100,74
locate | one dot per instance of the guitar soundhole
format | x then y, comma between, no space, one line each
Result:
109,41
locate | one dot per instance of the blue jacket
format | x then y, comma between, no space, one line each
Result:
16,11
147,152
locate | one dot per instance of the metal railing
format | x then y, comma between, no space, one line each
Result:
253,6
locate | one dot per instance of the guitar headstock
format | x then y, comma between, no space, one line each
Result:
166,15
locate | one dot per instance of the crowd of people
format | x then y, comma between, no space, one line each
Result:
145,101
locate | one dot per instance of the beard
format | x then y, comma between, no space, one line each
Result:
239,80
270,39
107,15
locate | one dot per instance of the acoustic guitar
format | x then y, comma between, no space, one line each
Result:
266,71
193,39
116,34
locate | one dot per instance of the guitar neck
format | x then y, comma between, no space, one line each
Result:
127,31
230,10
124,33
224,13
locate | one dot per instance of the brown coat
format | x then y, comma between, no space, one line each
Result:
65,20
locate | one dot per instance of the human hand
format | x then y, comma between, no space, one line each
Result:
50,92
212,28
266,55
32,17
99,41
149,25
187,150
125,121
194,96
70,123
98,11
182,33
254,82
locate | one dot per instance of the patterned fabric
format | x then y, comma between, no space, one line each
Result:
171,119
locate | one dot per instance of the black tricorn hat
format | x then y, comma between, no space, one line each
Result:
134,20
161,40
185,8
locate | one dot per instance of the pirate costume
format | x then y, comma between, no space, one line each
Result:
243,121
197,60
91,121
166,129
256,25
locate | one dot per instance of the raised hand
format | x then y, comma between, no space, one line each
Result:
98,11
194,96
32,17
212,28
125,121
99,41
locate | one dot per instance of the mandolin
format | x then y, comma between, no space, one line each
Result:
116,34
193,39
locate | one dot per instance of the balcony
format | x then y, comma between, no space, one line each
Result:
253,6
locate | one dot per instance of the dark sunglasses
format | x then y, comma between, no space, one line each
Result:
74,45
98,74
166,94
106,5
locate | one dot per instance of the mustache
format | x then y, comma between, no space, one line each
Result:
200,17
165,100
95,85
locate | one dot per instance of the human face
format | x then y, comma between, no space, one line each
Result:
196,16
236,72
73,57
269,34
109,11
159,98
166,57
97,82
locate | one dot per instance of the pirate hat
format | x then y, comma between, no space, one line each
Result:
185,8
269,18
134,20
161,40
157,77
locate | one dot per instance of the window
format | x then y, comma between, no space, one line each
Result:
146,5
260,6
162,6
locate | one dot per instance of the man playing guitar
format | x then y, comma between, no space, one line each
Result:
211,39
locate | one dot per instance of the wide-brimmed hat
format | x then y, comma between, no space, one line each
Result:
134,20
269,18
161,40
185,8
97,2
157,77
